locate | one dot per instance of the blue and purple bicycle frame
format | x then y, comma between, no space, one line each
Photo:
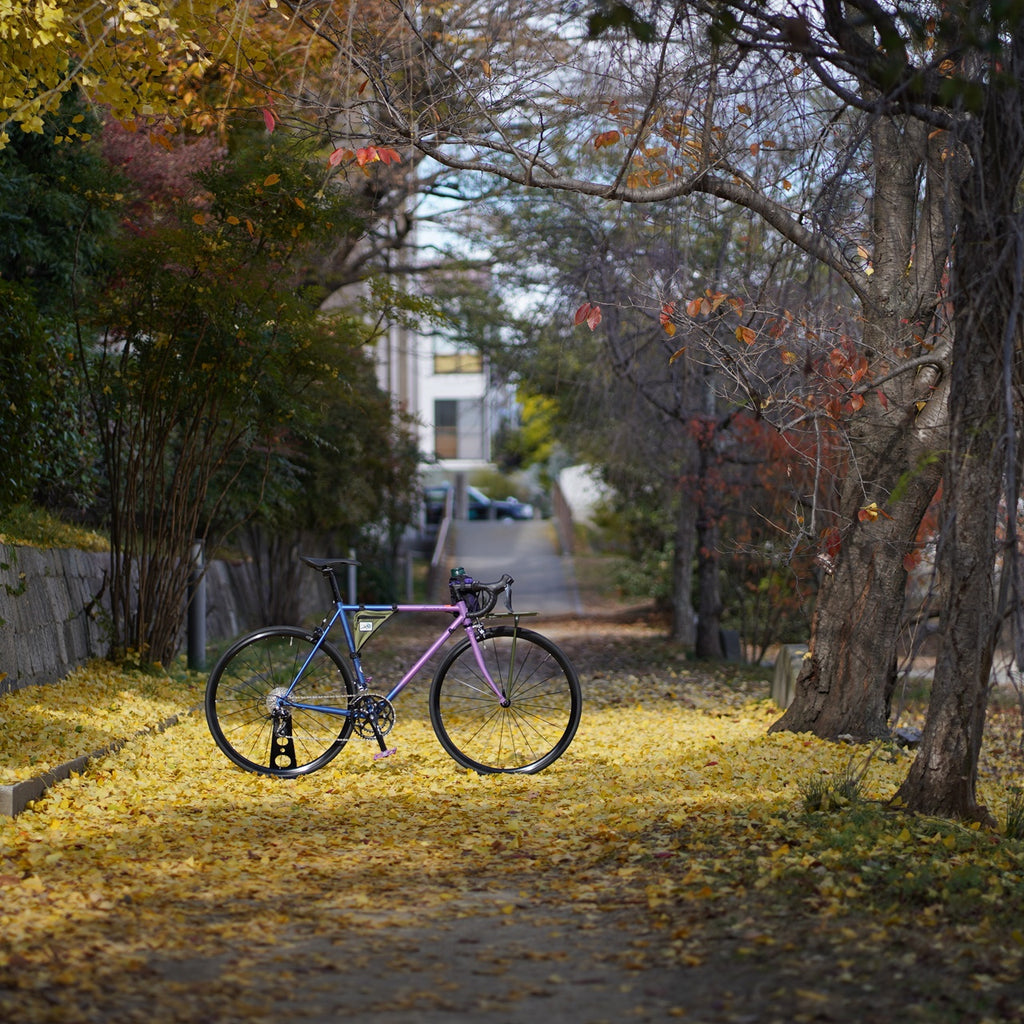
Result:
462,618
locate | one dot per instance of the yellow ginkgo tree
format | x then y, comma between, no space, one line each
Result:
138,58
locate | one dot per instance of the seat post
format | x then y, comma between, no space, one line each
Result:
332,578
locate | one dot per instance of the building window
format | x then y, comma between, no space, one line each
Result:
446,439
459,428
458,362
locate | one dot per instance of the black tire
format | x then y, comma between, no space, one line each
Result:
240,703
542,695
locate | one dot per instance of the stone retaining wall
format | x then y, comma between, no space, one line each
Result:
51,613
54,612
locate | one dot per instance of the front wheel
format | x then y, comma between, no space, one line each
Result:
251,702
530,725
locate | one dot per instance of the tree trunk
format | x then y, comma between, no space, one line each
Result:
683,627
709,606
846,684
989,321
943,778
896,440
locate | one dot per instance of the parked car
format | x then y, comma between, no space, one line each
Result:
480,506
512,508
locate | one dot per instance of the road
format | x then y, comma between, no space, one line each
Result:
529,552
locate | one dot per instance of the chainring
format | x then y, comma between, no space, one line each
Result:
367,709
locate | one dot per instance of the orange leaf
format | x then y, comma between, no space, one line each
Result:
595,317
606,139
367,155
856,402
872,512
199,218
693,307
271,179
746,334
676,355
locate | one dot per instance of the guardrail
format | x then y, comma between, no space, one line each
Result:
437,574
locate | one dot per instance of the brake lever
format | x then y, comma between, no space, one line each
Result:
508,581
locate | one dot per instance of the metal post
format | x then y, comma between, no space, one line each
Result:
461,497
197,609
352,577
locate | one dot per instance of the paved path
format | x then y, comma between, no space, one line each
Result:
529,552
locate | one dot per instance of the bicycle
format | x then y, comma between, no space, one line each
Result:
283,701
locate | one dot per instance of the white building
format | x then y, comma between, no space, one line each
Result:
451,391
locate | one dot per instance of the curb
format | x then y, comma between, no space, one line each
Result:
17,796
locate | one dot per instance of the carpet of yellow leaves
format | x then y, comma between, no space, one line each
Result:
663,867
94,707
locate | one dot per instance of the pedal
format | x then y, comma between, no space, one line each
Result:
385,753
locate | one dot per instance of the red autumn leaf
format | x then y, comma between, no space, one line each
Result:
606,139
587,314
338,155
833,542
693,307
856,403
269,119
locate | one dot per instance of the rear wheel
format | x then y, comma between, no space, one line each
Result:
249,707
529,726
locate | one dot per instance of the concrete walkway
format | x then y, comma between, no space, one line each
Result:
529,552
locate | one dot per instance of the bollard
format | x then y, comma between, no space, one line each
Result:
197,610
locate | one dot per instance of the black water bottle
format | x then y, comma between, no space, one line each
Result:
458,583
